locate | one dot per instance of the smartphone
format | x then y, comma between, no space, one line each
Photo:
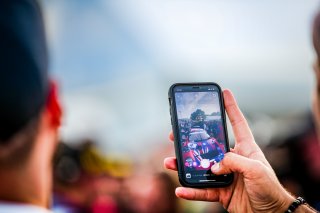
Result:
200,133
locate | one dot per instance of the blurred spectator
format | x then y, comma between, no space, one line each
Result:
85,180
146,193
30,112
163,198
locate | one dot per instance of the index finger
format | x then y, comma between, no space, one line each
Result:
239,124
244,139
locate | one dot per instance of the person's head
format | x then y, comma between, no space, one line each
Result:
29,109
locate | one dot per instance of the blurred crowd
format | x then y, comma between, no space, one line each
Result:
212,127
86,180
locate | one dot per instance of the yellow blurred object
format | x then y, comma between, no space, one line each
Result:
94,162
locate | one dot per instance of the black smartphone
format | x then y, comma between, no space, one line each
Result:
200,133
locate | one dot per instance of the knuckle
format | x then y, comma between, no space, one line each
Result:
237,121
197,195
202,195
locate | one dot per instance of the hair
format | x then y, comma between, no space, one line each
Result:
24,79
16,150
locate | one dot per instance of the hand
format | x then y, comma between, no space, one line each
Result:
255,187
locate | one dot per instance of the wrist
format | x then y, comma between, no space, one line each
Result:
300,206
285,202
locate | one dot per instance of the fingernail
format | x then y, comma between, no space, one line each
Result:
215,167
179,191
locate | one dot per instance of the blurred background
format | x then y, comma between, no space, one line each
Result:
115,60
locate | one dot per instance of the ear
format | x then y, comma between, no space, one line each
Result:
53,106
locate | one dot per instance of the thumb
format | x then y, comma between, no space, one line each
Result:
233,162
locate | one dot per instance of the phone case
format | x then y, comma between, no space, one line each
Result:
175,128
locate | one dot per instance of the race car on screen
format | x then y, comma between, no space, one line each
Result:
200,151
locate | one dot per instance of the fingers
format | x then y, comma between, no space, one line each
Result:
197,194
236,163
171,136
239,124
170,163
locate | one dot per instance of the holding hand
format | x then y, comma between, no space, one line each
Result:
255,187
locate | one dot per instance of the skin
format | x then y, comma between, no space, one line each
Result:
255,187
31,183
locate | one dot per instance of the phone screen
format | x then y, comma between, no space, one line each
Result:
201,127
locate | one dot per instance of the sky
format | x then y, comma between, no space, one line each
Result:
115,61
189,102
